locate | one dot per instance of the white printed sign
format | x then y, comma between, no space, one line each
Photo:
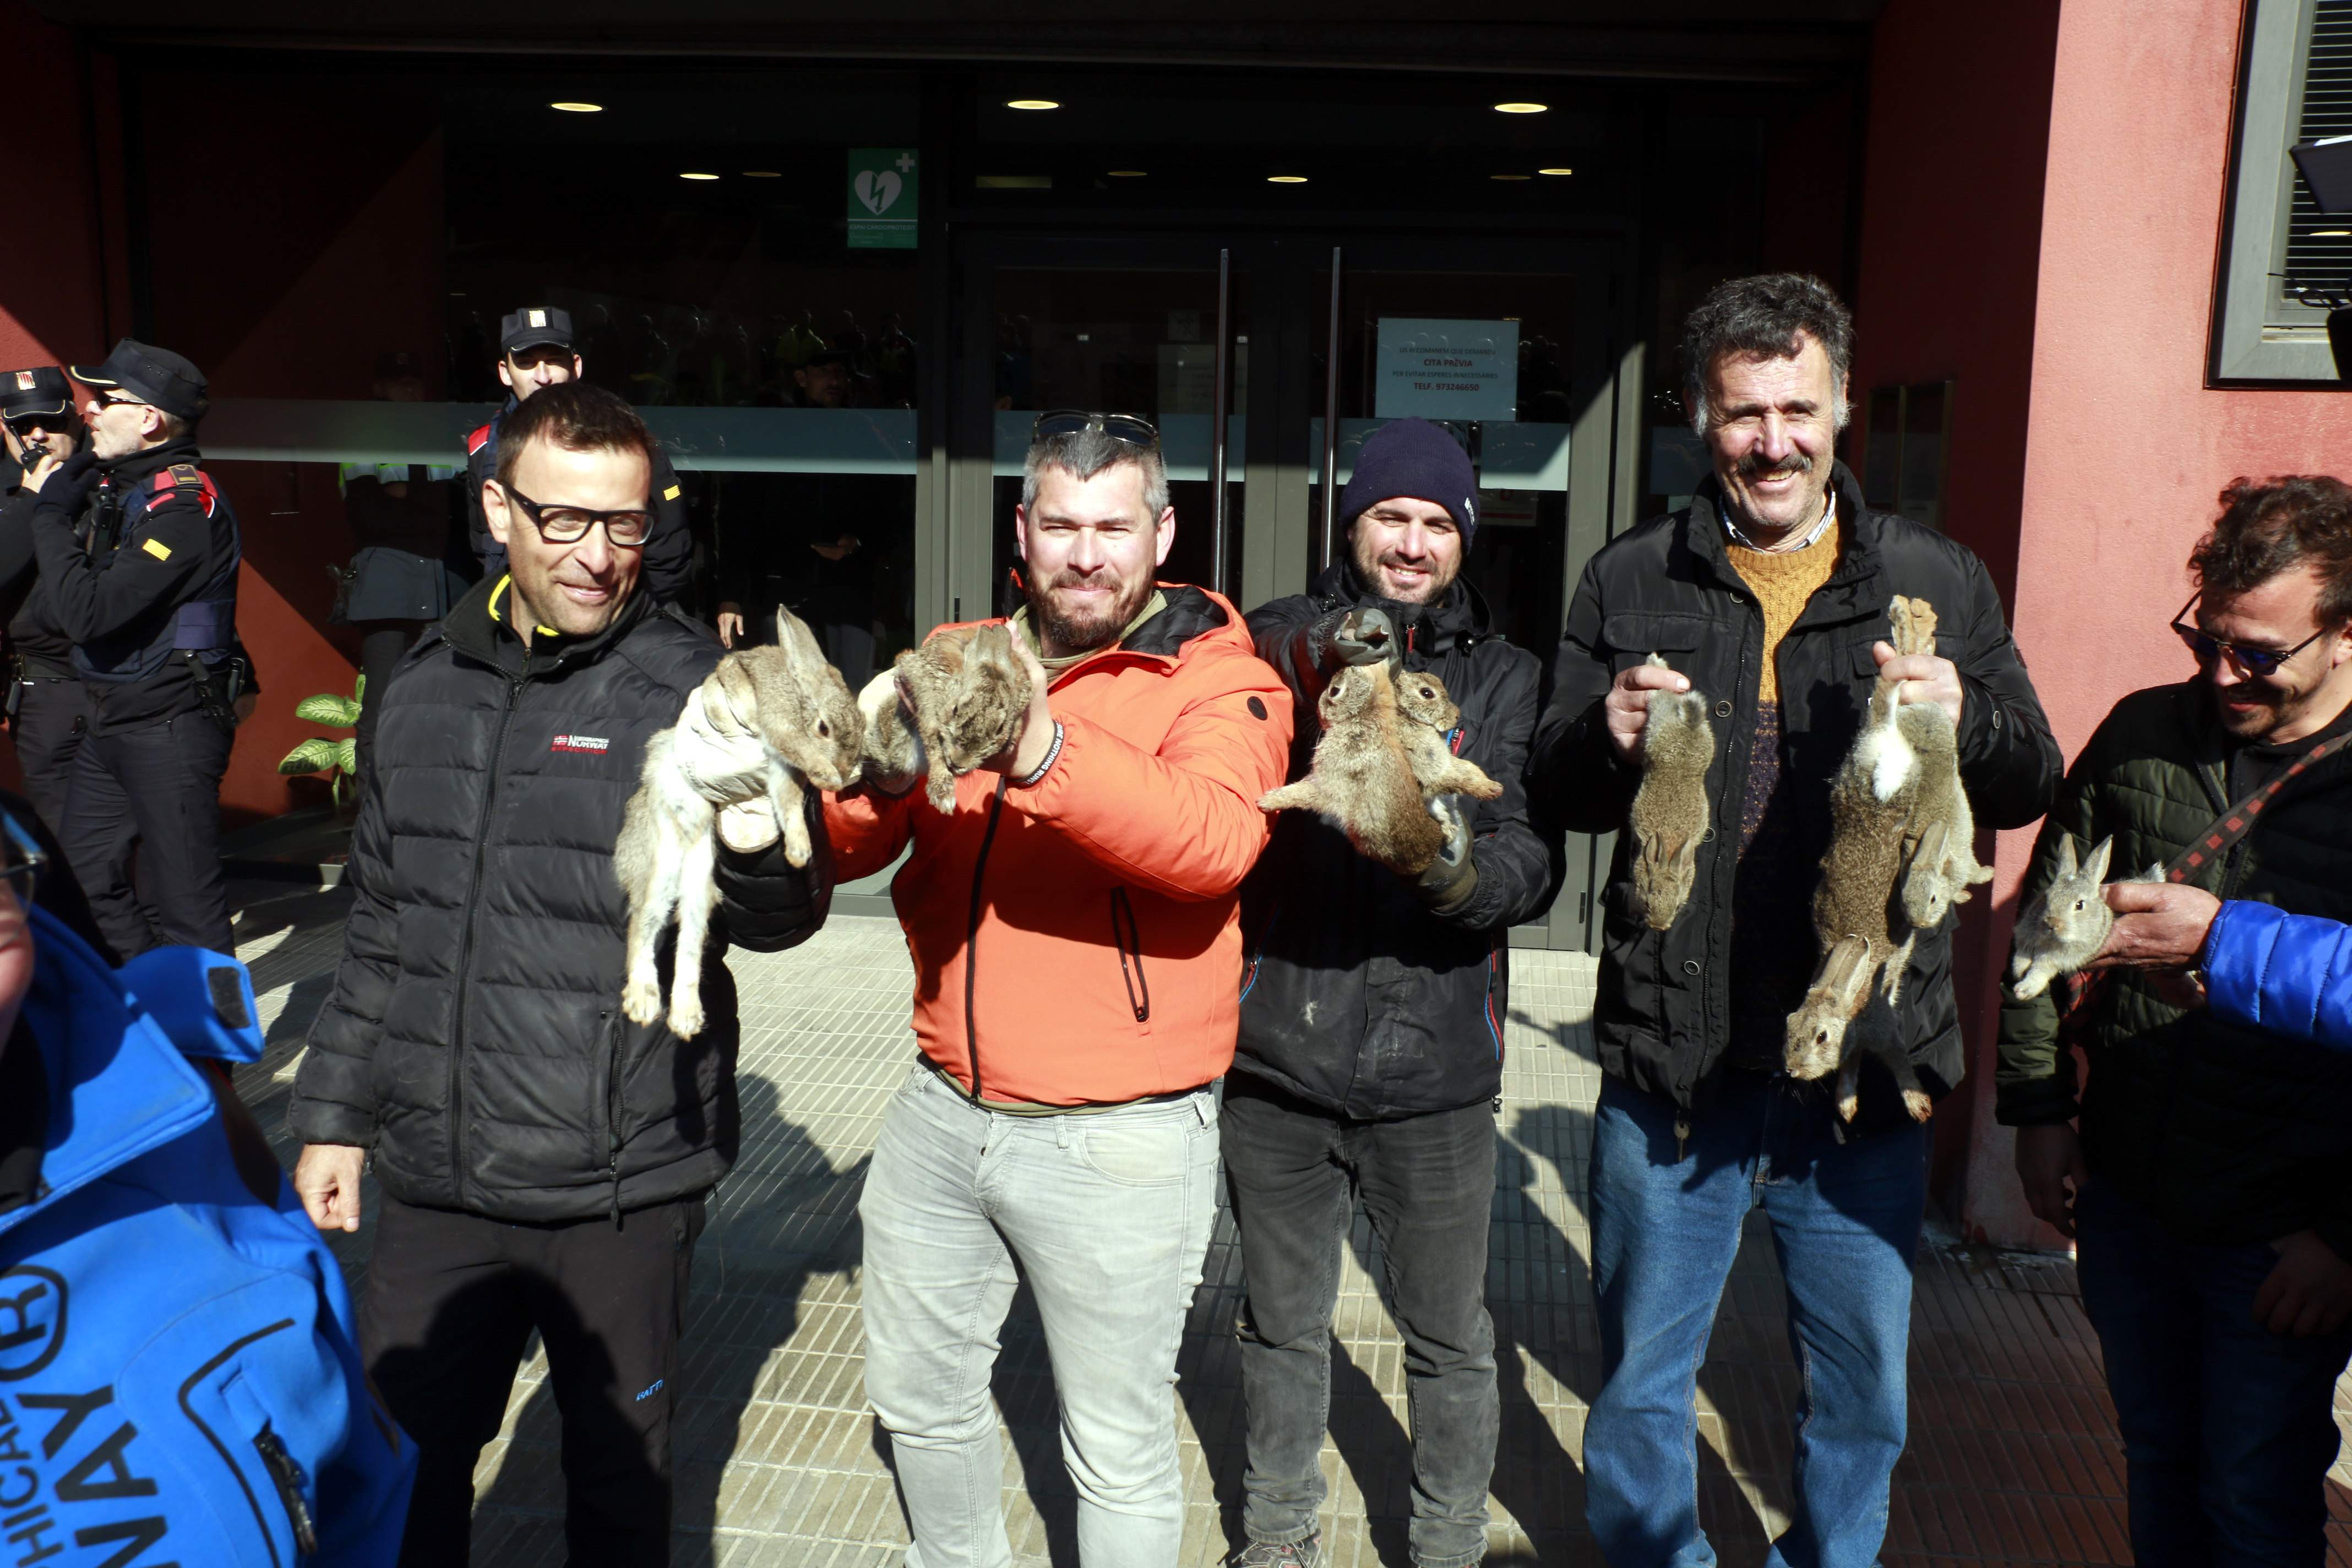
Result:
1447,370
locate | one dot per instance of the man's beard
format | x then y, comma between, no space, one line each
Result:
2273,709
1368,567
1080,632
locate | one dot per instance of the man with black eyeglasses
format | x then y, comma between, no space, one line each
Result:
538,349
2210,1189
542,1160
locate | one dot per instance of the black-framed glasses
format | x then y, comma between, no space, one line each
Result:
627,529
2253,661
21,856
1129,430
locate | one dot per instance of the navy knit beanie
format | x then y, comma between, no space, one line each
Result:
1413,457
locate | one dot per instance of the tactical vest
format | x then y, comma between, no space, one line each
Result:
206,622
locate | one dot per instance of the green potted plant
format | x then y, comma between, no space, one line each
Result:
338,759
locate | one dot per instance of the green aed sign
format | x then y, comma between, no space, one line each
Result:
882,198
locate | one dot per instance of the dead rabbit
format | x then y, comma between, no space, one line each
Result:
801,709
1361,780
967,694
1670,809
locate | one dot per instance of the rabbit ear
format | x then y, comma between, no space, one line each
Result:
1847,971
2066,865
2096,868
802,650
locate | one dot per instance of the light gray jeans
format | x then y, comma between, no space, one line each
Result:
1108,1216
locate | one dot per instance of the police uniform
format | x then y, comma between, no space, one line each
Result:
154,624
668,569
48,711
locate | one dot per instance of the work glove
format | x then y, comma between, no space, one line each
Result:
724,761
1347,638
1453,876
67,489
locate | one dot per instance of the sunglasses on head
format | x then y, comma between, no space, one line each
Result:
1129,429
2253,661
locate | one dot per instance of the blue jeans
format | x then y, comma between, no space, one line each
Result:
1665,1227
2228,1430
1108,1218
1428,1185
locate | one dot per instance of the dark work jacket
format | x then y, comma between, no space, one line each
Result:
1663,1015
668,570
33,633
2228,1132
1358,997
123,593
474,1037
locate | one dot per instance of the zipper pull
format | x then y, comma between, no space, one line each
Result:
1682,1138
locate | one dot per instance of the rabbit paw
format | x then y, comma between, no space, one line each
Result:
1848,1104
686,1020
1917,1102
641,1000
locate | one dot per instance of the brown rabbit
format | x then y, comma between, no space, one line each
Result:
1427,714
1856,916
2067,923
969,694
1360,779
665,857
1670,810
1943,864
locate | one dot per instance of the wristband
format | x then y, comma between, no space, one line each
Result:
1053,754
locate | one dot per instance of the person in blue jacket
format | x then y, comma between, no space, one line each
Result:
2251,963
178,1378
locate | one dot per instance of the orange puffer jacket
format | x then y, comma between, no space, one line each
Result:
1079,942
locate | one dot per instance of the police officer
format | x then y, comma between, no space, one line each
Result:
49,712
154,624
536,349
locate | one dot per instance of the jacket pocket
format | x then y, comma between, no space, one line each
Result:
1633,636
1127,937
605,1086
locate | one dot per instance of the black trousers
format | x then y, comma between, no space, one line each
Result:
451,1301
52,717
1294,1173
154,788
381,644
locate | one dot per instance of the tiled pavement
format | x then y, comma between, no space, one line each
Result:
2013,1453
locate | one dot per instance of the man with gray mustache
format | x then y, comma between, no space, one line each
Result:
1769,593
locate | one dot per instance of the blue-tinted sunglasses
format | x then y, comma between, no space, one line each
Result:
2253,661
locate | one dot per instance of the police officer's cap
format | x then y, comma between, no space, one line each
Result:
533,327
42,391
152,375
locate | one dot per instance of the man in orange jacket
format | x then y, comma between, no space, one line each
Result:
1074,924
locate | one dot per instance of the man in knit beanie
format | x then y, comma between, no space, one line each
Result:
1768,595
1370,1048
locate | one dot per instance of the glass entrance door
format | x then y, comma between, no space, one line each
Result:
1512,345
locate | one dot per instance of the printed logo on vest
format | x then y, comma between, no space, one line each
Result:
581,744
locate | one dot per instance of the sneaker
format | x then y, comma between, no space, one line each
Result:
1307,1553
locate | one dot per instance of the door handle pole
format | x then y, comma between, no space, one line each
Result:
1330,424
1219,578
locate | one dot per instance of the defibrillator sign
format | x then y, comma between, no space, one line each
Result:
882,204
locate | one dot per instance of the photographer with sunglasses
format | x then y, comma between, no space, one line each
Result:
48,711
2210,1187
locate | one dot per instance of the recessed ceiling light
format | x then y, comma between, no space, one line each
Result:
1125,173
1555,171
1511,176
763,173
1517,107
1031,103
578,108
692,174
2331,234
1286,179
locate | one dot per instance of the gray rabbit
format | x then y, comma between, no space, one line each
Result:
1427,713
666,856
1360,779
969,694
1670,810
1943,864
1863,929
2065,927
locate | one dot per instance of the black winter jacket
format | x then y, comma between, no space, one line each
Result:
2229,1134
1664,1012
474,1037
1358,997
